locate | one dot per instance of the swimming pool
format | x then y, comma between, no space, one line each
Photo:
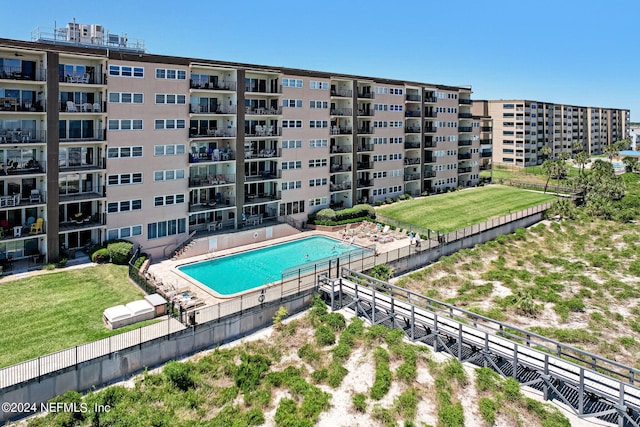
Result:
240,272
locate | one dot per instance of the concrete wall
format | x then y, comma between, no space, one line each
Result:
428,256
123,364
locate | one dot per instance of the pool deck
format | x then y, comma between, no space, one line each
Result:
167,272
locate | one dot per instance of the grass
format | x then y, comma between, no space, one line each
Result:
50,312
453,211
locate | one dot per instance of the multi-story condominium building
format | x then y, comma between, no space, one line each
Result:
101,140
522,127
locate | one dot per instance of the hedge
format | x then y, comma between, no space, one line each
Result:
331,217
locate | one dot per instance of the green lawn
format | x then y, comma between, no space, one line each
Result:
54,311
452,211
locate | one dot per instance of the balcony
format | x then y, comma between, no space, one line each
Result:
362,183
464,101
22,137
79,167
212,133
81,78
464,170
464,156
87,107
72,195
264,175
263,132
17,73
341,149
365,165
214,156
430,99
341,130
465,129
219,202
200,84
212,180
411,161
251,198
337,168
263,111
486,141
412,97
83,135
15,105
429,159
344,93
92,221
429,174
216,109
464,143
411,144
412,129
430,129
486,129
411,177
341,111
364,147
365,131
366,112
485,154
262,154
412,113
431,114
366,94
340,187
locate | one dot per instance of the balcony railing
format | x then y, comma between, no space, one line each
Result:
464,156
15,104
464,143
411,176
199,84
341,131
411,97
366,113
465,170
20,167
486,141
70,107
212,133
264,176
429,174
22,137
367,95
82,78
412,113
341,111
262,154
430,129
364,183
251,198
340,168
16,73
341,149
365,165
96,134
430,144
411,144
486,128
264,131
411,160
221,156
412,129
263,111
485,154
465,129
465,115
345,93
101,164
430,99
430,159
267,90
364,147
340,187
365,131
72,195
216,109
465,101
212,180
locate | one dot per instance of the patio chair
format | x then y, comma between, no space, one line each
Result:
96,107
71,107
35,196
37,226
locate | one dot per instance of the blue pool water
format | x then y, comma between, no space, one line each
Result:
247,270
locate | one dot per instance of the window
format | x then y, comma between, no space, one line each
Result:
380,107
161,124
318,85
171,199
380,174
318,104
396,140
378,141
170,98
124,152
317,163
318,124
380,90
395,156
379,157
168,175
317,182
320,201
169,150
292,123
171,227
508,106
294,164
124,71
124,206
316,143
395,91
394,107
379,124
291,185
124,178
125,124
292,103
291,82
124,232
126,98
170,74
292,143
292,208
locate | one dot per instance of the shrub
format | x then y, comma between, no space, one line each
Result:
383,415
487,379
179,374
251,369
325,215
319,375
62,262
335,321
120,252
140,260
280,314
325,336
511,389
487,410
308,353
336,374
381,272
101,256
407,403
359,401
382,381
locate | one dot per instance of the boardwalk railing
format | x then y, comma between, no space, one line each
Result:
591,385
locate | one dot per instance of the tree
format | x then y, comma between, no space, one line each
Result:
549,167
545,150
631,163
612,150
581,159
601,188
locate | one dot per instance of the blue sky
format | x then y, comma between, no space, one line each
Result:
565,51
